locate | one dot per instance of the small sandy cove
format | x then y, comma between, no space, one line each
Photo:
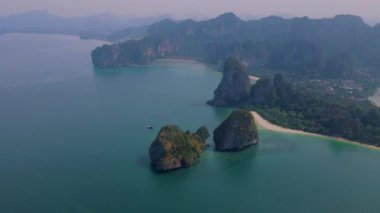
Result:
253,78
262,123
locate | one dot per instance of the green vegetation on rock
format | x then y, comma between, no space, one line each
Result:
173,148
296,108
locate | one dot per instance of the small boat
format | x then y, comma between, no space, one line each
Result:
149,127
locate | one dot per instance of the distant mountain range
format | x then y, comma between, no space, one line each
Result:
96,26
337,47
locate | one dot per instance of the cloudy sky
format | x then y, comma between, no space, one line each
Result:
368,9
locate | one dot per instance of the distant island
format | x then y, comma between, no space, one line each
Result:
100,26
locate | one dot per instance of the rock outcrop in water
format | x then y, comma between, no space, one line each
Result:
234,87
173,148
237,132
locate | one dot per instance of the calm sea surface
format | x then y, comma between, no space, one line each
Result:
74,139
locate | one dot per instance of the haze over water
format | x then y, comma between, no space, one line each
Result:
74,139
368,9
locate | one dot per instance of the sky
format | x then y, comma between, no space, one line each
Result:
368,9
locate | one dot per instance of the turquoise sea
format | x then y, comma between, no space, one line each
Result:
74,139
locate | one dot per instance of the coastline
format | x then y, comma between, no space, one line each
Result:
175,60
264,124
253,78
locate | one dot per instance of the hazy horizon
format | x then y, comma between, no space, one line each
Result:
180,9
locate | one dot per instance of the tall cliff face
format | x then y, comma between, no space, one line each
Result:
234,87
236,132
263,92
173,148
340,66
271,91
133,52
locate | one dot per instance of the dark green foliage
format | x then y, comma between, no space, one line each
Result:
269,91
264,92
299,56
174,148
297,109
340,66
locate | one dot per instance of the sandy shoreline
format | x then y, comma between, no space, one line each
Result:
262,123
253,78
175,60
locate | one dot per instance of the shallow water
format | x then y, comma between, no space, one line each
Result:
79,143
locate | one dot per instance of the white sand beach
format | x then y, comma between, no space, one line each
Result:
253,78
262,123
